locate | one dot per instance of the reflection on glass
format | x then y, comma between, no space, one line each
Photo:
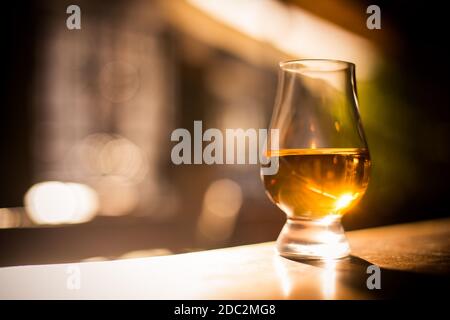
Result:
324,161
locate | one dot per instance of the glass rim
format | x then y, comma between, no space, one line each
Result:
315,65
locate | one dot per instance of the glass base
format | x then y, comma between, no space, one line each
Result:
313,239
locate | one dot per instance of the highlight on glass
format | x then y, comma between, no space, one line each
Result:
324,161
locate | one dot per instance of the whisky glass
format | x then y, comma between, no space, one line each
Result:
322,154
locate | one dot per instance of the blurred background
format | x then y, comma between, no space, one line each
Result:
86,118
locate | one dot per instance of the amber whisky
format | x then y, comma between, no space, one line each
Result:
315,183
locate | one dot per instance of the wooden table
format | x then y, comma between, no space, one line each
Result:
414,260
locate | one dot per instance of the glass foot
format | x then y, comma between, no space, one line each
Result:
313,239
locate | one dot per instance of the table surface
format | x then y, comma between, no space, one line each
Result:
414,260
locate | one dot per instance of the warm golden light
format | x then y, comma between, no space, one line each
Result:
102,154
114,166
9,218
221,204
54,202
292,30
328,279
344,201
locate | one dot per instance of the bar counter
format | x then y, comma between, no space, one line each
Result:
413,259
